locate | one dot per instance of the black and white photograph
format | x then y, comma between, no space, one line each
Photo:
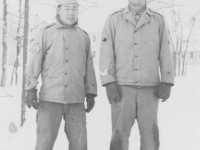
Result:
100,75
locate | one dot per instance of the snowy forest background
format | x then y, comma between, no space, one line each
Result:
179,117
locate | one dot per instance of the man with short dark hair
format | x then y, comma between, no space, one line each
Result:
134,51
62,55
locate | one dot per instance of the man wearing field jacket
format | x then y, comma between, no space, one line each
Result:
61,54
137,70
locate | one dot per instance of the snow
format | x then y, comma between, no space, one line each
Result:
179,119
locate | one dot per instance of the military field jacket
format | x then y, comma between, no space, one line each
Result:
63,57
135,54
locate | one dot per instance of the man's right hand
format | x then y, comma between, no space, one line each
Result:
113,92
31,98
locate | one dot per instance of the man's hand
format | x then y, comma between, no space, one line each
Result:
163,91
113,92
31,98
90,102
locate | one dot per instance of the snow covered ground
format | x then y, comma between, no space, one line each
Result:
179,119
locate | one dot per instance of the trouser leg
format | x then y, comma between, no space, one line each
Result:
48,122
75,126
147,107
123,117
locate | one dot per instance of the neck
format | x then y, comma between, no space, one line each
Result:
136,8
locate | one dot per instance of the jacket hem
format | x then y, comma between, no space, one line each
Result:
139,84
60,100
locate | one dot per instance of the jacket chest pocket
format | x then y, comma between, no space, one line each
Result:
150,49
60,50
123,46
150,41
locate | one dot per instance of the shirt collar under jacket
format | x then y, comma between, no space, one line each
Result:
127,10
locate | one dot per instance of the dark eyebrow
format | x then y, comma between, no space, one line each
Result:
69,6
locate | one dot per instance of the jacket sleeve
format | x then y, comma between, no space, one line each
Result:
107,56
166,61
35,59
90,78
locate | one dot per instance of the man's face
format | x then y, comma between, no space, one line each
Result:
140,3
68,13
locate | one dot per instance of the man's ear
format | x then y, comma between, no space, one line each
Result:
58,10
78,9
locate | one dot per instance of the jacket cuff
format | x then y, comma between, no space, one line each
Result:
33,89
169,80
91,91
107,79
91,95
169,83
30,84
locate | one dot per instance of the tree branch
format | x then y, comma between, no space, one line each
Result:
88,8
45,4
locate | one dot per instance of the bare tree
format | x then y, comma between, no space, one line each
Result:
193,21
177,37
19,45
178,41
4,42
25,49
181,42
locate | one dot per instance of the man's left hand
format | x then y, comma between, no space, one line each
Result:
163,91
90,102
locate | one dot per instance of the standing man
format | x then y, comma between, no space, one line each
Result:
134,51
62,55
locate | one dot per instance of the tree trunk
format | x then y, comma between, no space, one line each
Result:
174,61
179,64
187,44
25,49
184,62
185,69
4,43
18,38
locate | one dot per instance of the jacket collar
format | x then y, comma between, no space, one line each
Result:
126,10
145,18
148,11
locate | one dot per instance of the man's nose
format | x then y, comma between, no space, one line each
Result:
70,11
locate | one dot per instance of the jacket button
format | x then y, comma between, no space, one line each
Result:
66,86
66,60
136,56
